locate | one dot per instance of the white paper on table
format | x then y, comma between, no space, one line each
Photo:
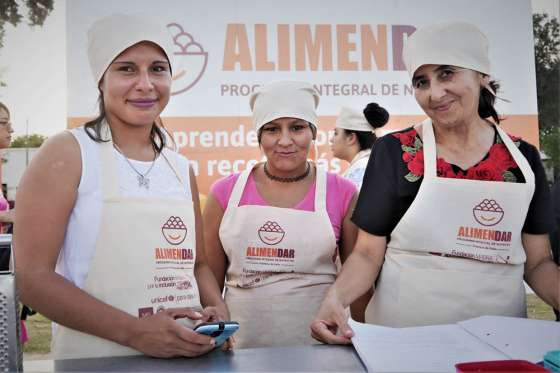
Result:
518,338
427,348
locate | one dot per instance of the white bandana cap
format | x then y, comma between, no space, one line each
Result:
354,120
458,44
284,99
110,36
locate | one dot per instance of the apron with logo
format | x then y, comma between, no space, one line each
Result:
143,262
281,264
457,251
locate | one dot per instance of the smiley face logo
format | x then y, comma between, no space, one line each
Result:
189,59
271,233
174,230
488,213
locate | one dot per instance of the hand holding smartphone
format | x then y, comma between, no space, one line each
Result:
220,330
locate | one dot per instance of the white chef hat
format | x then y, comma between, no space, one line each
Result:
284,99
350,119
110,36
451,43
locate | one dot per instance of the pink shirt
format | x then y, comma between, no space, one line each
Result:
339,194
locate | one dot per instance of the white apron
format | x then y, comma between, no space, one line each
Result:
281,263
457,251
143,262
355,172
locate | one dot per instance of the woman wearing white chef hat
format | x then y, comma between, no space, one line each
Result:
273,232
117,213
453,212
354,136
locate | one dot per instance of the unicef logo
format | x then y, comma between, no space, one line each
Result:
189,60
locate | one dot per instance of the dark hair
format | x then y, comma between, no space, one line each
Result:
377,117
311,126
93,129
486,102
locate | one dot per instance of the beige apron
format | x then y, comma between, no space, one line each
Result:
281,263
457,251
143,262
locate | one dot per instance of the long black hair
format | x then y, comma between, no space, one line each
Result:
377,116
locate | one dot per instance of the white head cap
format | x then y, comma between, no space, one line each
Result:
284,99
350,119
452,43
110,36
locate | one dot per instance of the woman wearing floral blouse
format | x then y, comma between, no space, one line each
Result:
453,212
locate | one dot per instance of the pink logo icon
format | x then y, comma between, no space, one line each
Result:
271,233
174,230
488,213
184,284
189,60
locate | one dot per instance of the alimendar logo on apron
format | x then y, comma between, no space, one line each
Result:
174,231
481,242
170,285
269,257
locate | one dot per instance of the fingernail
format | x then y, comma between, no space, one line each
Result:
212,343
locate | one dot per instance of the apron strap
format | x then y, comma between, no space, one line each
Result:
518,157
174,168
320,188
109,181
429,149
238,188
108,165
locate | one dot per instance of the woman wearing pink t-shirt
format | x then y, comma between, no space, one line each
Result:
6,215
274,232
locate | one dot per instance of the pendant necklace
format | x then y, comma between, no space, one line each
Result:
143,179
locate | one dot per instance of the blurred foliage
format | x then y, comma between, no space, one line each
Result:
28,141
36,10
546,32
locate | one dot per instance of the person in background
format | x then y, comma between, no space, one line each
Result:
274,231
6,130
108,235
354,136
7,214
453,213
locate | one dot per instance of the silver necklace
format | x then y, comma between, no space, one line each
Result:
143,180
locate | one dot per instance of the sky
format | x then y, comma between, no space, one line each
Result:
33,65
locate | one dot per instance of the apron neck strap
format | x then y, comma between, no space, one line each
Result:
320,188
517,156
109,181
429,149
239,187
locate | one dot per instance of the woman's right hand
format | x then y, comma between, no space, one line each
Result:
330,325
160,335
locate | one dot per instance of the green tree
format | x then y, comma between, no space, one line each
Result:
546,32
37,12
28,141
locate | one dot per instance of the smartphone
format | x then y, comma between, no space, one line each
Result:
220,331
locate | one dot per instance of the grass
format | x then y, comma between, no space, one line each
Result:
39,327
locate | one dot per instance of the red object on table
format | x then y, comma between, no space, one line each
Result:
499,366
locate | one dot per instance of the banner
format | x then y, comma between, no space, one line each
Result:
350,51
